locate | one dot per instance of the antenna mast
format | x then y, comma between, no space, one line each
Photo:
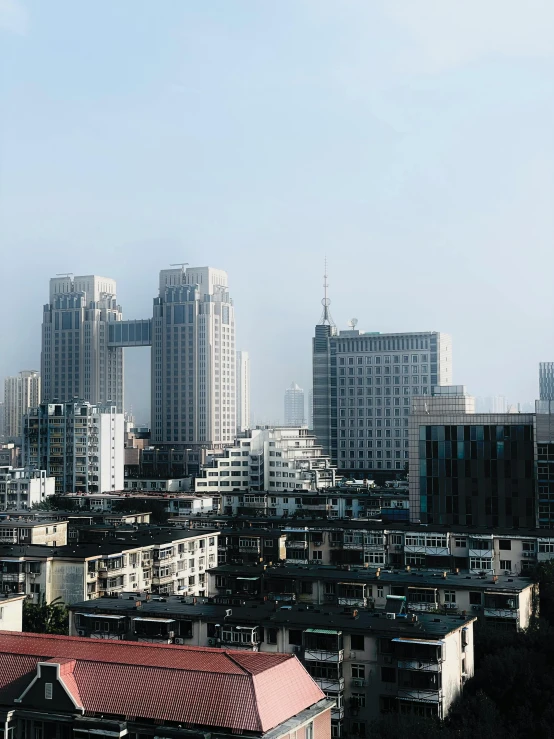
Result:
326,318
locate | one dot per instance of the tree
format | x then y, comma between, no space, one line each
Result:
156,508
55,503
46,618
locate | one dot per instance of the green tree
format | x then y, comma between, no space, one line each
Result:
46,618
156,508
55,503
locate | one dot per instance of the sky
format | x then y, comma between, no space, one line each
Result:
409,142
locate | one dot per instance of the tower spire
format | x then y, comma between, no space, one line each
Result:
326,318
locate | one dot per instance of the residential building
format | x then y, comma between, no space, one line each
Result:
269,459
63,686
180,485
78,443
251,545
243,391
162,562
22,488
471,469
10,454
11,612
21,393
504,601
174,503
78,360
546,380
366,662
295,414
363,386
30,531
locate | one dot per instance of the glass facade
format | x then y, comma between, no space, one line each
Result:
481,475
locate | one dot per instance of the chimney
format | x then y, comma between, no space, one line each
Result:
138,604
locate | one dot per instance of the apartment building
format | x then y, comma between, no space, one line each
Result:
162,562
250,545
24,487
174,503
367,663
501,601
21,393
11,612
269,459
30,531
61,686
181,484
79,444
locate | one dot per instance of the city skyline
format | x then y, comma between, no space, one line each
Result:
408,163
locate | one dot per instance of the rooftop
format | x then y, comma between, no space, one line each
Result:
237,691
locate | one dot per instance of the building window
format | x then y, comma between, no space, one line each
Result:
449,596
358,671
309,734
357,642
358,728
505,544
506,564
358,700
48,691
474,598
460,542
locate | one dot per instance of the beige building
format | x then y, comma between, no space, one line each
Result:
11,612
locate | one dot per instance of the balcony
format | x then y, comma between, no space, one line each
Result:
419,665
337,714
423,606
352,601
330,684
162,580
512,613
425,696
296,544
484,553
431,551
249,550
323,655
12,577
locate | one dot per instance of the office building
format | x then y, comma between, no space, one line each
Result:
243,391
72,687
363,386
79,444
311,410
294,406
21,393
546,380
77,358
269,459
24,488
468,468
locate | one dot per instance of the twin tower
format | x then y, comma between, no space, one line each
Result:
192,339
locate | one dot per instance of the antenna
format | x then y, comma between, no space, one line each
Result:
326,319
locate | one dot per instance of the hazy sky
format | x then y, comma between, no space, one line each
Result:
411,141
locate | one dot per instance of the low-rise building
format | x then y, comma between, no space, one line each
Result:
367,662
22,488
30,531
251,545
181,484
11,612
161,562
501,601
61,686
173,503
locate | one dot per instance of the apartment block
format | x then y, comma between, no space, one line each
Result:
57,686
22,488
173,503
79,444
269,459
29,531
367,663
11,612
165,562
21,393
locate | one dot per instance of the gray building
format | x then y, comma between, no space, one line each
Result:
77,358
294,406
21,393
546,380
363,385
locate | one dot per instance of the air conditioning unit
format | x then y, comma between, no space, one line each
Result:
358,682
81,632
178,640
211,642
390,616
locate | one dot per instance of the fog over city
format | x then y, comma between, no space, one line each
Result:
260,138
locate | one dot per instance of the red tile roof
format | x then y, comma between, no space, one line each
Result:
239,691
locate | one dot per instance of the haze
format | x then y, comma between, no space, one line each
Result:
410,141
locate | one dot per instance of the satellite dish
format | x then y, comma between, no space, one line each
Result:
353,322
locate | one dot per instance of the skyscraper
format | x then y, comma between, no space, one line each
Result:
243,391
546,380
21,393
294,406
193,359
363,385
77,359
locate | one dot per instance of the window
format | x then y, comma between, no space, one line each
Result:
272,636
528,546
358,671
295,637
478,563
388,674
358,700
449,596
474,598
358,728
460,542
379,591
357,642
317,555
505,564
309,733
504,544
48,691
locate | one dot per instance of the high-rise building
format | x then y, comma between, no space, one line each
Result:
363,387
21,393
311,409
546,380
78,360
294,406
243,391
79,444
471,469
193,359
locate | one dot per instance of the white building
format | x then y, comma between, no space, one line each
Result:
21,393
81,445
193,358
11,612
23,488
78,358
243,391
269,459
295,414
